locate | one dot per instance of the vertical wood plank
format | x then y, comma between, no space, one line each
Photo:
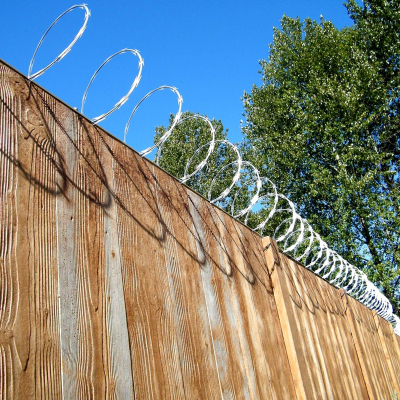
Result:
20,126
155,354
263,321
132,230
81,264
9,285
235,292
68,279
120,360
273,262
42,237
91,292
199,373
225,279
369,349
227,358
320,346
390,350
243,288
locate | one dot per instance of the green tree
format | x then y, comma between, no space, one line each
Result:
323,126
192,134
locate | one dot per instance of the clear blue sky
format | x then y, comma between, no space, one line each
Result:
209,50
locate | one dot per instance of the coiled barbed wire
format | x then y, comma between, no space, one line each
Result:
294,235
67,49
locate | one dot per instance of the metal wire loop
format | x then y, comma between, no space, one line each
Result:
67,49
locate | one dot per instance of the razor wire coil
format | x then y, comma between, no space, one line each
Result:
294,235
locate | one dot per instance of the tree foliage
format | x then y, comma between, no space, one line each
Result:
324,127
192,134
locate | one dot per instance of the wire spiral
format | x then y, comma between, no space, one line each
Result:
294,235
67,49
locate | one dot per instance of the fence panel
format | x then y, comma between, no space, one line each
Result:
116,280
320,347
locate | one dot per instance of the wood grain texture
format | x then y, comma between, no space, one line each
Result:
370,350
390,349
198,370
320,346
118,282
150,313
398,340
240,305
43,250
30,279
93,317
8,215
227,353
256,312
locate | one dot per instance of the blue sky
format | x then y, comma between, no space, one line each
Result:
209,50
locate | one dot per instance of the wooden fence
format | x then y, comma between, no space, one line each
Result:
118,282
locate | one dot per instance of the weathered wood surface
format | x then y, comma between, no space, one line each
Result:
117,281
30,356
321,353
398,340
391,349
370,350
